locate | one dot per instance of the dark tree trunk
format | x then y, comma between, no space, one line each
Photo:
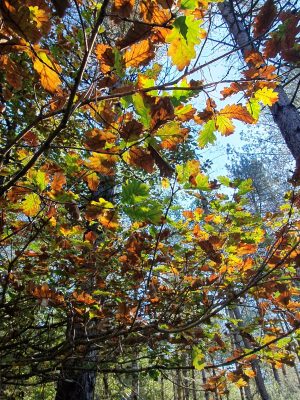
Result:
285,114
74,386
162,388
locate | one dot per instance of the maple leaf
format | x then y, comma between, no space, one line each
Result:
31,204
139,54
48,71
266,96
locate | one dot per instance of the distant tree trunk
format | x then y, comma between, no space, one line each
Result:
276,374
206,394
179,385
285,114
162,388
75,386
106,387
255,363
194,390
135,387
185,379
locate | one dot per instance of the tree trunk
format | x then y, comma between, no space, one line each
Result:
276,374
285,114
162,388
74,385
206,394
106,387
255,363
194,390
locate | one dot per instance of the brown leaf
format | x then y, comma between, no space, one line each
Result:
59,180
264,18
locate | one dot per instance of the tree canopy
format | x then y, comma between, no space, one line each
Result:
113,234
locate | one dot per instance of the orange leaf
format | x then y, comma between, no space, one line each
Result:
139,53
237,111
48,72
123,8
106,57
58,182
92,181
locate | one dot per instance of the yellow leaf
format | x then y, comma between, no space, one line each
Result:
224,125
48,72
249,372
266,96
139,53
241,383
31,204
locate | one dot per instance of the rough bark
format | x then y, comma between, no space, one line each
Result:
285,114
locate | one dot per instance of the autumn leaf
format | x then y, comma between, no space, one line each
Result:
186,33
264,18
267,96
122,8
139,54
141,158
31,204
152,13
106,57
207,135
59,180
102,163
12,71
93,181
48,72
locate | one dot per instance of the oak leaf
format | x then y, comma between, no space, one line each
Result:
264,18
139,54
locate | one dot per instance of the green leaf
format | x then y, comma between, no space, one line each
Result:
198,359
207,135
189,4
142,109
202,182
254,108
134,192
150,211
245,186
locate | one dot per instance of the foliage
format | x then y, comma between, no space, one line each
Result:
90,232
